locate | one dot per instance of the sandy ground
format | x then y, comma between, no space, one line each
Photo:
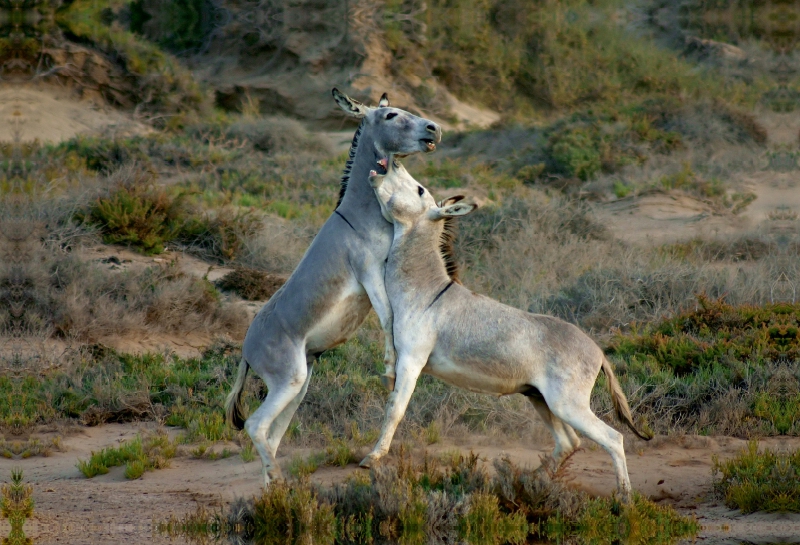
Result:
109,508
51,114
662,217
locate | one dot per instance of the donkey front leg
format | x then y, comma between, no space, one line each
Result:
408,371
376,291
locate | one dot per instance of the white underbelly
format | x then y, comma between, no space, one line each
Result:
340,321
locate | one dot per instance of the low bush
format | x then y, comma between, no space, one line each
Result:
251,284
453,501
585,144
71,298
716,332
137,455
145,218
756,480
300,467
16,505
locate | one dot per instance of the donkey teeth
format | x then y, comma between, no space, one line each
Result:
431,146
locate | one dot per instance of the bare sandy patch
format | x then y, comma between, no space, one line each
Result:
660,217
52,114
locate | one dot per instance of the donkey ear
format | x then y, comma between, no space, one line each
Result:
351,106
450,200
453,210
384,101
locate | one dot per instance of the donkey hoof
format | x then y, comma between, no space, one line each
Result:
369,461
388,382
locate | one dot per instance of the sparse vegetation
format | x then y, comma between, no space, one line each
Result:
759,480
161,84
300,466
251,284
16,505
137,455
455,499
515,57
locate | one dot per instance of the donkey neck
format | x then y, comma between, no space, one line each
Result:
415,261
358,203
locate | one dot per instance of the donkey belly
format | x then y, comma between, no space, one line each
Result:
482,376
340,320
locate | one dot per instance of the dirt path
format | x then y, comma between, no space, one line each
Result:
109,508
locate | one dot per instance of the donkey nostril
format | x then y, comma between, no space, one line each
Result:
431,128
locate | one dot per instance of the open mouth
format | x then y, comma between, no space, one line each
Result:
382,166
430,144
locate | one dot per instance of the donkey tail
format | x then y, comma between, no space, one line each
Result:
620,402
233,403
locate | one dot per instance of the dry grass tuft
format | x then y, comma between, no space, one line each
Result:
251,284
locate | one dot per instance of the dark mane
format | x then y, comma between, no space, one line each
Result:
349,164
447,248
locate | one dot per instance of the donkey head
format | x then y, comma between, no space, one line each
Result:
405,202
394,131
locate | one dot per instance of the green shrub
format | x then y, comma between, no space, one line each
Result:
285,512
16,505
714,333
145,218
300,467
178,26
759,481
135,469
781,408
621,190
589,142
137,455
339,453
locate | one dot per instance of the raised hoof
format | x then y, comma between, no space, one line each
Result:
388,382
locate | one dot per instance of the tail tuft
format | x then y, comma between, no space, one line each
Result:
233,403
620,402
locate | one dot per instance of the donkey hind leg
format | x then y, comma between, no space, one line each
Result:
408,371
566,439
584,420
281,422
282,391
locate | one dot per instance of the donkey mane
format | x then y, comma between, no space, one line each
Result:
447,248
446,240
348,166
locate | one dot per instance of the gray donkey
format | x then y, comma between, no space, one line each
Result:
333,288
443,329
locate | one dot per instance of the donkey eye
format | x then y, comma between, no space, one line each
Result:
390,115
420,190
